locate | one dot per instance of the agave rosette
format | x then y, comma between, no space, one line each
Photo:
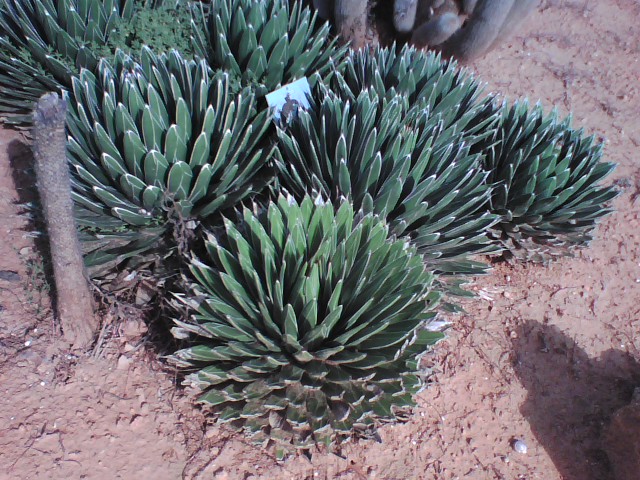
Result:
163,135
548,183
408,166
428,83
306,323
266,44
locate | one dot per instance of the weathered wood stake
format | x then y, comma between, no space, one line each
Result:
74,299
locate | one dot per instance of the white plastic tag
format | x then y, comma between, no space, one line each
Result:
288,99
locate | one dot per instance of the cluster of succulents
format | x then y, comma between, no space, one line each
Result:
320,247
404,164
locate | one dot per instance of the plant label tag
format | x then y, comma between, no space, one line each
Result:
288,99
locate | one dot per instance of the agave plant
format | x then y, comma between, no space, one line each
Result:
547,178
267,43
427,82
43,43
406,166
163,135
306,323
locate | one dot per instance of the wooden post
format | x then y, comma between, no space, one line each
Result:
352,19
74,299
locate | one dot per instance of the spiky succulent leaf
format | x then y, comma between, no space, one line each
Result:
163,135
266,43
306,322
548,182
406,165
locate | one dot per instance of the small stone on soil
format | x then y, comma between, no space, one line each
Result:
9,276
123,362
520,447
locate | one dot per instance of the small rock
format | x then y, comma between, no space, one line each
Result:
123,362
48,443
144,294
133,329
30,356
9,276
519,446
137,423
25,251
221,475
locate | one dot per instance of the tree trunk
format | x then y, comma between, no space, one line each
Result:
74,299
352,17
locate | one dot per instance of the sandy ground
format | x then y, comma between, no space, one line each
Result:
545,355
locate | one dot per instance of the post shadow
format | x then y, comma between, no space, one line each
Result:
24,179
22,171
571,397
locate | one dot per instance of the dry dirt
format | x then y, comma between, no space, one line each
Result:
544,356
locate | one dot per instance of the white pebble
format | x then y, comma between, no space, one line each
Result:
520,447
123,363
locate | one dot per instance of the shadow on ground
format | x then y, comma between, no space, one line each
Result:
23,173
24,179
571,397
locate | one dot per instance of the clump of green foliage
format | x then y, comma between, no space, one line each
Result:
400,163
165,27
43,43
400,134
306,322
547,181
446,172
160,141
265,44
